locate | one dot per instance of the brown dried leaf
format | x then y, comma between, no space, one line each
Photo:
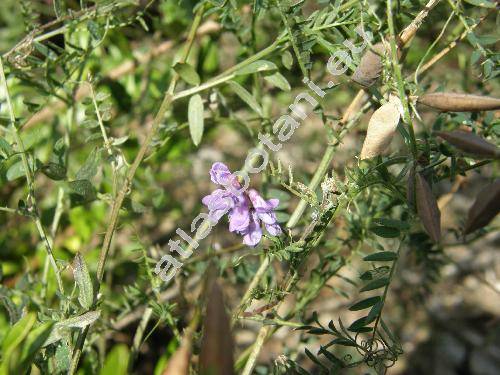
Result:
427,208
381,128
471,143
370,66
485,208
216,356
447,101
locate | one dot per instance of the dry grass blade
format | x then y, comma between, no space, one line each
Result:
381,128
216,356
471,143
370,66
484,209
447,101
427,208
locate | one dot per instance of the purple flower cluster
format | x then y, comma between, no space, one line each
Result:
246,209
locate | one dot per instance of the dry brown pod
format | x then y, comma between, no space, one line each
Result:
448,101
216,355
370,66
427,208
381,128
484,209
470,143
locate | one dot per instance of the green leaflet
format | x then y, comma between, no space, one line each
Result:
84,282
195,118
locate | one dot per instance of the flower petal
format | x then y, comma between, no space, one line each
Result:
260,204
239,219
274,229
253,236
267,217
220,173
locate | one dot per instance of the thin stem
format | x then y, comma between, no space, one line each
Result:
30,181
229,73
292,39
386,289
10,210
139,334
451,45
99,120
399,79
117,204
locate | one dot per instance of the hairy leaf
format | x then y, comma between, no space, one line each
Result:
84,282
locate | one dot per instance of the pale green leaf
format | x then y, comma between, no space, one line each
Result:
246,97
195,118
84,282
257,66
187,73
279,81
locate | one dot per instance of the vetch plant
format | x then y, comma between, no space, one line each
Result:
357,236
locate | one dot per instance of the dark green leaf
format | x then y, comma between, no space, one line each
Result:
359,323
364,304
54,171
83,189
385,232
375,284
383,256
392,223
89,169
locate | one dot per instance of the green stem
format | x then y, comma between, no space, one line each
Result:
399,79
30,181
117,204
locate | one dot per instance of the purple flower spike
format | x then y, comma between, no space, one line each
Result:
246,211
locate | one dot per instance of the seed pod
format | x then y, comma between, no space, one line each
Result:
427,208
370,66
216,356
447,101
381,128
471,143
484,209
